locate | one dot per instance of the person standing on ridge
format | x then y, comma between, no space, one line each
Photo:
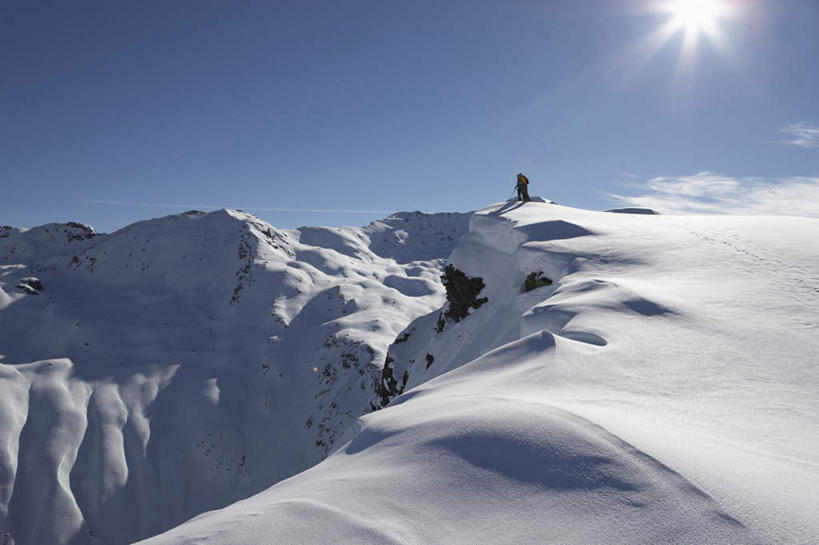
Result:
523,188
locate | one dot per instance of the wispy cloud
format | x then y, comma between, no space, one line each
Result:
182,206
712,193
801,134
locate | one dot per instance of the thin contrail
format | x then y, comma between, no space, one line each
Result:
211,207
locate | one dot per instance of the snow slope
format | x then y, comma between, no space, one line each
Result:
664,389
183,363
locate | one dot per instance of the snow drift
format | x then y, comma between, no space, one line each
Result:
661,388
183,363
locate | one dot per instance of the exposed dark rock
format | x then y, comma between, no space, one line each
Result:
461,292
31,285
535,280
244,274
81,231
388,388
343,364
429,359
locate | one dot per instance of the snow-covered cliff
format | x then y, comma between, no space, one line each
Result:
183,363
663,389
654,381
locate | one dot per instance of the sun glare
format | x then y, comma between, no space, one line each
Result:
697,15
696,21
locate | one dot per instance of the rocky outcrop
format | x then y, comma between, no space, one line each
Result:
31,285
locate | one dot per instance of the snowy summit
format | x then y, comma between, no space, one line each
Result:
527,373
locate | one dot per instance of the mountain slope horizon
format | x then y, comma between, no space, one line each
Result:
185,362
660,387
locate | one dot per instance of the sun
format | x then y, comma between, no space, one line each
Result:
696,22
697,15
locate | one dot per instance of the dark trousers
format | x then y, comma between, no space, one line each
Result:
523,193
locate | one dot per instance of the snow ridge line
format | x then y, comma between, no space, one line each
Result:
197,341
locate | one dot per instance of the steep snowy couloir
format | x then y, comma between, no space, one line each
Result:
183,363
664,388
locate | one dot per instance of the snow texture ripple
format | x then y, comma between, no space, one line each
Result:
662,389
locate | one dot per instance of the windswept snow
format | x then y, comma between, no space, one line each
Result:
183,363
663,389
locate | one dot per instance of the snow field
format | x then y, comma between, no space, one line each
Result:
662,390
168,369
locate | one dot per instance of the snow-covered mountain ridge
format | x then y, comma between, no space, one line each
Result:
662,389
185,362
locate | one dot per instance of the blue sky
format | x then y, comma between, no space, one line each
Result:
334,113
